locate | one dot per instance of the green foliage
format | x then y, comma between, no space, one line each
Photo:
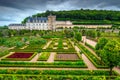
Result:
68,33
19,43
79,64
119,34
44,56
91,33
111,54
37,41
95,60
78,36
58,72
60,44
98,33
102,16
93,48
100,45
3,51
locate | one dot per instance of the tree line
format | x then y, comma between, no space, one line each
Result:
106,16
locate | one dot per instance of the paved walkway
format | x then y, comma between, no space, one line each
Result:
47,45
116,69
47,68
51,57
92,43
88,63
24,47
85,59
35,58
6,55
90,49
12,47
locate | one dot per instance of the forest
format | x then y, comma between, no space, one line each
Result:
84,16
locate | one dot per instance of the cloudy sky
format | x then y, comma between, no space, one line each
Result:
14,11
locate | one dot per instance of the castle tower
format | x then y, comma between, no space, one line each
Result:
52,22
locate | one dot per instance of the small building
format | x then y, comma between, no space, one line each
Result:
17,26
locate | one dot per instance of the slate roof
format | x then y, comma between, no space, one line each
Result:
17,25
30,19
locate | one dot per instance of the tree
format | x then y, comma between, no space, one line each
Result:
91,33
100,45
119,33
83,32
111,54
98,34
78,36
68,33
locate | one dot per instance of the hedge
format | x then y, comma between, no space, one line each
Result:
55,77
97,62
78,64
59,72
91,47
44,56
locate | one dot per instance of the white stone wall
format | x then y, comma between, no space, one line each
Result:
37,26
16,27
94,26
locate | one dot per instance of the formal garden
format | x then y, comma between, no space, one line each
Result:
64,57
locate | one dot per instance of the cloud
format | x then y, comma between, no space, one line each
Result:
17,10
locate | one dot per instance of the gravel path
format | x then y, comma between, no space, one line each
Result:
47,68
85,59
47,45
90,49
116,69
6,55
35,58
88,63
92,43
51,57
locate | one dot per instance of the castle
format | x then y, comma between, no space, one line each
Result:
41,23
49,23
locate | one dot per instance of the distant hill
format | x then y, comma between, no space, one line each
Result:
84,16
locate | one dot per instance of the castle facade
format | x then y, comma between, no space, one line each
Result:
49,23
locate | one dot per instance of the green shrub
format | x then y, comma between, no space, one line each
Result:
89,46
97,62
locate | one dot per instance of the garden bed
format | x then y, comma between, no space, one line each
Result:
65,64
20,56
57,75
67,57
44,56
97,62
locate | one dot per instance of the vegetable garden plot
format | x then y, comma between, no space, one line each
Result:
67,57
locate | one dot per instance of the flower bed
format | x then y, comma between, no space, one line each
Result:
20,56
66,57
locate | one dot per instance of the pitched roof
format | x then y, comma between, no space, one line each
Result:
31,19
17,25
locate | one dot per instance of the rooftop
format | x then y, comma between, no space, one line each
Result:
17,25
31,19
